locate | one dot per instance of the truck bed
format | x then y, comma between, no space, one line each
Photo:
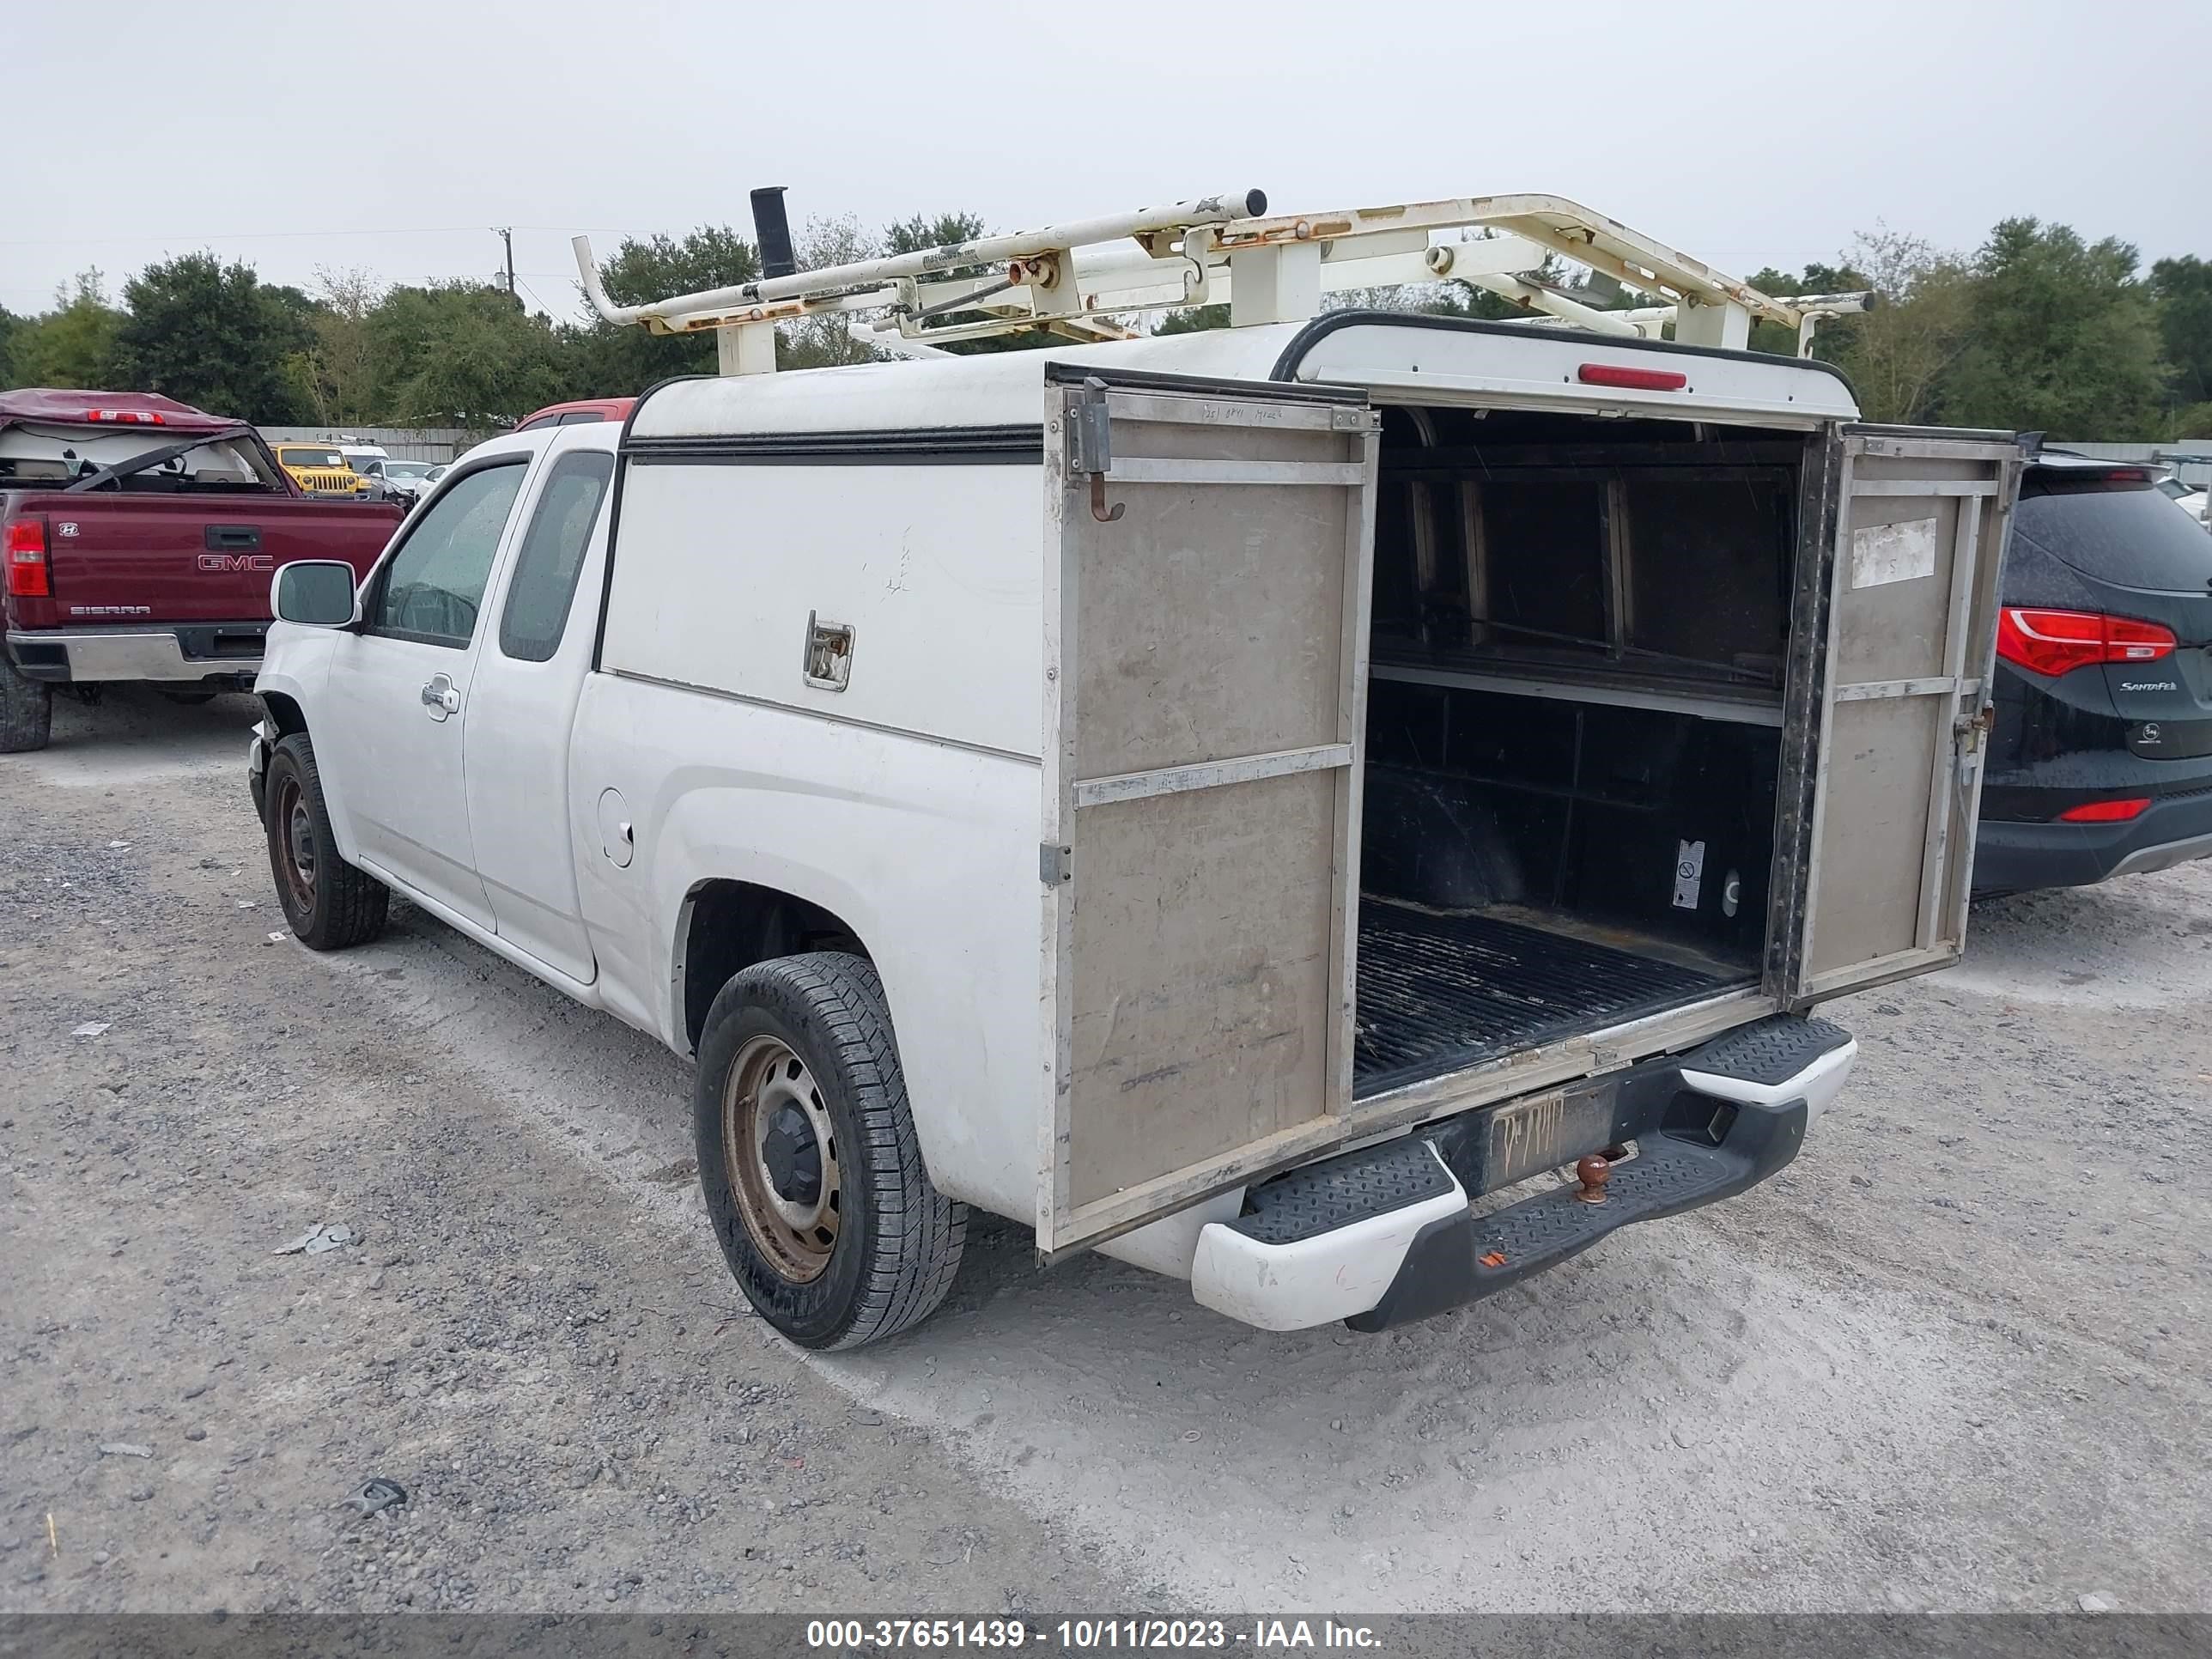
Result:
1439,992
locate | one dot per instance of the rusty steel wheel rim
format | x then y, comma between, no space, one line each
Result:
295,858
780,1152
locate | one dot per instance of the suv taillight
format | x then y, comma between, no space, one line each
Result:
26,559
2058,641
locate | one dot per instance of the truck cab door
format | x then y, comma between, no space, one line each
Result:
1876,849
1205,607
397,705
538,635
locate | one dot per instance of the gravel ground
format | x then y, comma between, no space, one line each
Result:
1954,1357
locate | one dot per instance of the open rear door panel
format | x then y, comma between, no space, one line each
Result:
1921,524
1206,659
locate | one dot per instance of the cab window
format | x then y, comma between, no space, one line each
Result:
552,555
433,582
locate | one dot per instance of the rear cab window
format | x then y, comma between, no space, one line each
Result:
540,593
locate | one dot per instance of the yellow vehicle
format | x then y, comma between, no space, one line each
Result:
321,470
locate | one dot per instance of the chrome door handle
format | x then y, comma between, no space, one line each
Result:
441,696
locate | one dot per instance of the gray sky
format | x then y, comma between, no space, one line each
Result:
388,135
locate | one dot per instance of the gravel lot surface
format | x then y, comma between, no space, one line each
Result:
1956,1357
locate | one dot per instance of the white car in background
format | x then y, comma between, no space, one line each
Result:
412,479
2190,498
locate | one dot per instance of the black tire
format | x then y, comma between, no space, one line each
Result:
329,902
893,1240
26,711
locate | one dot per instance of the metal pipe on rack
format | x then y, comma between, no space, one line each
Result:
687,312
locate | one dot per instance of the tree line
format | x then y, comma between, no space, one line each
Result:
2036,329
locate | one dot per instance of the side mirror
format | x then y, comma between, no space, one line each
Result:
316,593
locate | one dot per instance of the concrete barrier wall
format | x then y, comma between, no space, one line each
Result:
403,443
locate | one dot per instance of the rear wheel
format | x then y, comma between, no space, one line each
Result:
329,902
26,711
808,1158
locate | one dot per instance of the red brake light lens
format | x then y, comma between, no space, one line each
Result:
2107,811
2057,642
126,416
1638,380
26,559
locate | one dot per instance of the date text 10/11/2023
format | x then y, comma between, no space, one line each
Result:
1084,1635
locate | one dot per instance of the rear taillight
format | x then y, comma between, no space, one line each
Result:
2107,811
26,559
2058,641
126,416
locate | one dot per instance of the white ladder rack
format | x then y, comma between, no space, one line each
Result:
1077,279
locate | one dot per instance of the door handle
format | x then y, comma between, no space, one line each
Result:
441,696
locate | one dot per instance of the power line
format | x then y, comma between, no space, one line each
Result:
274,235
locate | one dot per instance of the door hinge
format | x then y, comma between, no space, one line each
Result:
1055,865
1090,425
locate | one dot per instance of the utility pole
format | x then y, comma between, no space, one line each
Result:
506,234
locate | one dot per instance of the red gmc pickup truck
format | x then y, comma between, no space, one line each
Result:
140,536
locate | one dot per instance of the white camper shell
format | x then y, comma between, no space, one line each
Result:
1289,781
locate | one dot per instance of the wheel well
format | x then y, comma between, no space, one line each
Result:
732,924
283,713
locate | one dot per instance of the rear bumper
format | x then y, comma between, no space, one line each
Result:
2012,857
178,653
1389,1234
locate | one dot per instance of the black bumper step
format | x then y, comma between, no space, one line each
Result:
1466,1257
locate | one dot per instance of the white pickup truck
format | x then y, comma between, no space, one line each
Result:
1261,803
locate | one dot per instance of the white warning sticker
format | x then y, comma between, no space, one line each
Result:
1689,874
1892,552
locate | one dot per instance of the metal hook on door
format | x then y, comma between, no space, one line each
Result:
1094,447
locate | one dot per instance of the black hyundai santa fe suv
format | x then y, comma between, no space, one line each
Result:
2100,763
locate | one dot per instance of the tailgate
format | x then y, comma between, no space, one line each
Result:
184,559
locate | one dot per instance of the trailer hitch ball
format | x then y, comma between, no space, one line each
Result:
1593,1172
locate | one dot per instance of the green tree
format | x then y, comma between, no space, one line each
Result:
2183,287
332,372
214,335
2063,338
461,353
10,325
73,345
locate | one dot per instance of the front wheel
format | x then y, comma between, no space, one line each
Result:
329,902
808,1157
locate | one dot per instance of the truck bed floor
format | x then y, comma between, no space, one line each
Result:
1439,993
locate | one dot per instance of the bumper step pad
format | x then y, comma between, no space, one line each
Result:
1323,1197
1770,1052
